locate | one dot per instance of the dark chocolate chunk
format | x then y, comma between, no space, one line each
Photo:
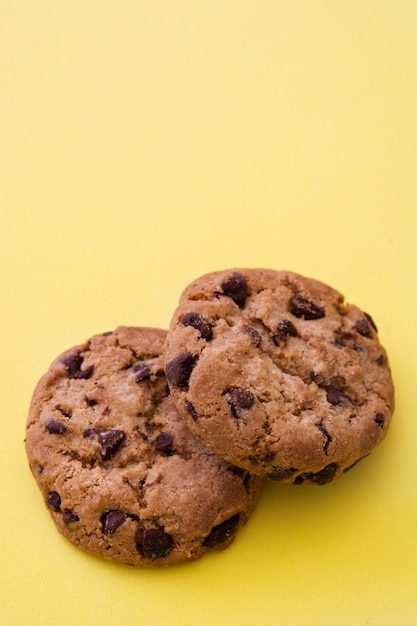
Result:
200,323
53,501
154,543
111,520
178,371
236,288
284,329
142,371
109,440
55,428
240,400
326,435
316,378
334,396
380,419
325,475
371,321
363,327
68,517
381,360
347,339
282,473
303,308
254,335
73,364
220,533
64,412
191,410
90,401
164,442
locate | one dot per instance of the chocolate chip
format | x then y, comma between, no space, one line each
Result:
55,428
220,533
200,323
254,335
348,339
281,473
73,364
236,288
65,412
111,520
239,400
381,360
164,442
325,475
363,327
142,371
371,321
303,308
109,440
154,543
284,329
68,517
380,419
334,396
90,401
316,378
327,437
53,501
191,410
178,371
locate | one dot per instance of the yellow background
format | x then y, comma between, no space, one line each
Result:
145,143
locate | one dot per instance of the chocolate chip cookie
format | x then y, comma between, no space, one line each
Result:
121,474
277,374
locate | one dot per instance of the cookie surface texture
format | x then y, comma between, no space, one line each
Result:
121,474
278,375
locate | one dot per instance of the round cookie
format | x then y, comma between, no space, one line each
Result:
122,475
278,375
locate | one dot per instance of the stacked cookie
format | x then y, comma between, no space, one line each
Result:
151,447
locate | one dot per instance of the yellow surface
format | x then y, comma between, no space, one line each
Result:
145,143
